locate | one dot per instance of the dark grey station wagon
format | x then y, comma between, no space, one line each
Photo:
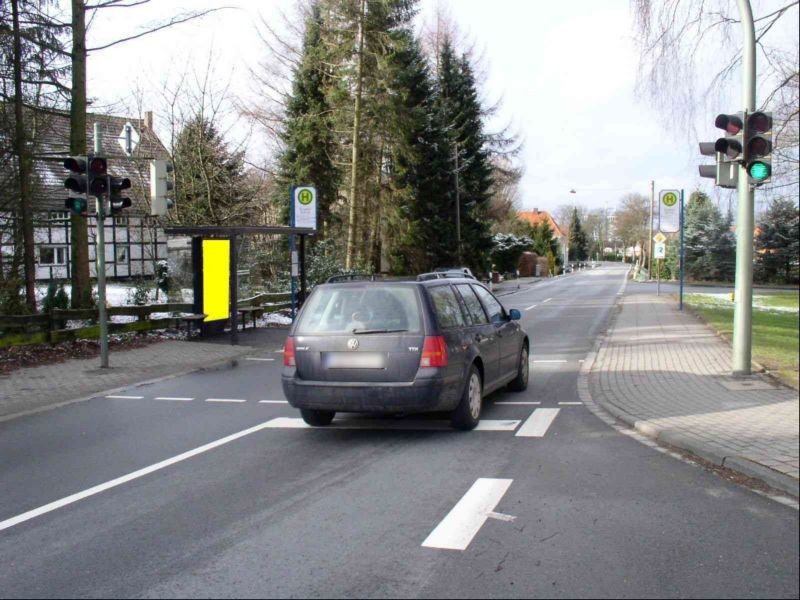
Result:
441,343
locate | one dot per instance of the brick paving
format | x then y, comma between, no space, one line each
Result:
36,388
668,375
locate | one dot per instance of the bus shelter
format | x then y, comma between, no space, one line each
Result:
215,270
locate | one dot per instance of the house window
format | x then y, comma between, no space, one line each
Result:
123,254
53,255
121,220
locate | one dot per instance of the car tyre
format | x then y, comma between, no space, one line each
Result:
317,418
520,382
467,414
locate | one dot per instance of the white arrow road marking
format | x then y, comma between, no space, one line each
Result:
538,423
399,424
42,510
456,530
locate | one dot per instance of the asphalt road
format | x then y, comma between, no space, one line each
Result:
236,503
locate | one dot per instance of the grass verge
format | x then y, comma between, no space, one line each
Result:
776,335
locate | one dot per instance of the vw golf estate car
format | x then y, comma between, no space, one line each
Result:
440,343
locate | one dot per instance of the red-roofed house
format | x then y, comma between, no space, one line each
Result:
536,216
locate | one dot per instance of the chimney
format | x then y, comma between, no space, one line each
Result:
148,120
536,211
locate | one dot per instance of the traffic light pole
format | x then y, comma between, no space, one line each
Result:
100,255
743,308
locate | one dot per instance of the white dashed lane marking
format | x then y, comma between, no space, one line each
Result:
232,400
126,397
169,399
519,403
273,402
532,307
570,403
260,359
462,523
538,423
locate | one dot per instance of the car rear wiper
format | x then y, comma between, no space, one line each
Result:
368,331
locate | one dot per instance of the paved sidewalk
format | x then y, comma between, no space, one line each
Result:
668,375
37,388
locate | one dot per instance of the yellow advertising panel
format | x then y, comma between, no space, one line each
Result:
216,279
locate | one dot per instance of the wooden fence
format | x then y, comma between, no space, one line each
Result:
52,327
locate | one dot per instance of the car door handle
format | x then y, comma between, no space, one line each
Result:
479,338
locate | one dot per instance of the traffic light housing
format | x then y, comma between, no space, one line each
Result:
724,173
116,202
97,171
732,145
76,206
160,186
76,181
758,147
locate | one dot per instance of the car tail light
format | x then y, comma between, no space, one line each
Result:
288,353
434,352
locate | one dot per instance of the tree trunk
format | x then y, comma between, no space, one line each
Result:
79,231
351,221
25,167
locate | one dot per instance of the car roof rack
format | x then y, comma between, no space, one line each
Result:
354,277
444,275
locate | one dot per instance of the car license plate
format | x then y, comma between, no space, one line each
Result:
355,360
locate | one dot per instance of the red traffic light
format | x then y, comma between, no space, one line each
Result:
759,122
75,164
98,166
730,123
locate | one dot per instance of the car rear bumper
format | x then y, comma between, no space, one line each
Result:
422,395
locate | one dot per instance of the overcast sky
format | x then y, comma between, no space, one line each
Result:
565,71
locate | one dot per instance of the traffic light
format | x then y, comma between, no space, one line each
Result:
758,147
76,206
98,169
160,186
76,182
732,144
115,201
725,174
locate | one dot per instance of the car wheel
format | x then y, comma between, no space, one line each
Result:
520,382
317,418
467,414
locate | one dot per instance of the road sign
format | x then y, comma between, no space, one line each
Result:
660,250
305,207
659,238
128,139
669,211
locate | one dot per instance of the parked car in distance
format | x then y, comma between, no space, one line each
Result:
463,270
439,344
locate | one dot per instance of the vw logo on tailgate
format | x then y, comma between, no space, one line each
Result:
352,344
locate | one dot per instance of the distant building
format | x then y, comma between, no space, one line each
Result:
133,240
536,216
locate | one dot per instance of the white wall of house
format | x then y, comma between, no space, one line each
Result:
132,245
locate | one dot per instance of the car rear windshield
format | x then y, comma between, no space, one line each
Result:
352,308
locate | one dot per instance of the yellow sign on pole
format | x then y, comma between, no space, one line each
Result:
659,238
216,279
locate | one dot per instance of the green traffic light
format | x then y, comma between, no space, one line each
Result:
759,171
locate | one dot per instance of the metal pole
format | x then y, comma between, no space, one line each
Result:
650,247
658,277
682,258
291,255
302,270
743,296
100,253
234,283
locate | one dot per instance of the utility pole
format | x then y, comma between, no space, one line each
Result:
743,307
650,246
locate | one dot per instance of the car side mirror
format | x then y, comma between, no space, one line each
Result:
514,314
